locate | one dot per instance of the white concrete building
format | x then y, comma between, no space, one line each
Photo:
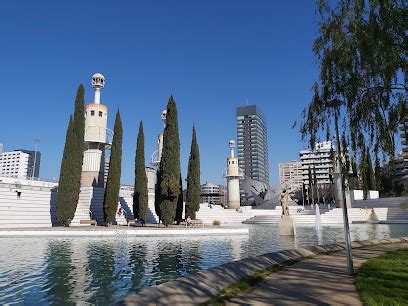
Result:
318,159
210,193
15,164
290,175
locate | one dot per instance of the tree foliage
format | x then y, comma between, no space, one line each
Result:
157,197
140,195
69,184
110,203
169,187
64,202
367,173
361,50
193,179
180,203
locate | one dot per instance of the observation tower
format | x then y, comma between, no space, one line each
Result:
97,137
233,174
156,156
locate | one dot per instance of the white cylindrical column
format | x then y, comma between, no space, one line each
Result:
97,96
233,174
233,194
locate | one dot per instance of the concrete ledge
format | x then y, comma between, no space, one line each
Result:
200,287
90,232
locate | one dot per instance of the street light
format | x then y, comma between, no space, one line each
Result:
341,193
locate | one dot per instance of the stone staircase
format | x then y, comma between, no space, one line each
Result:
308,217
394,211
126,202
231,216
90,206
34,208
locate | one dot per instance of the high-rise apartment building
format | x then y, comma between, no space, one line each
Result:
20,164
396,171
290,175
319,160
252,143
34,161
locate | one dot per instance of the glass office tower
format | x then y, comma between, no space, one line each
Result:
252,143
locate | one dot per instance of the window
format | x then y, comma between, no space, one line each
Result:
92,113
100,114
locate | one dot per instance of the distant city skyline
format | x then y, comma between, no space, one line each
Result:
212,56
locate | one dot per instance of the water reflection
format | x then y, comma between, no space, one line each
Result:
104,270
60,273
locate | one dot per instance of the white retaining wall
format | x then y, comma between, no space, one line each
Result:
34,208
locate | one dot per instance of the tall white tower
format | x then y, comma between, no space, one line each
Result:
156,157
233,174
96,141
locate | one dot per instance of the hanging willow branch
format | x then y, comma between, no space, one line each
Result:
361,50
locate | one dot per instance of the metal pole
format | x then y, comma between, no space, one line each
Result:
350,268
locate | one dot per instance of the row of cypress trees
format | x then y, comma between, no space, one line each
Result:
168,190
71,165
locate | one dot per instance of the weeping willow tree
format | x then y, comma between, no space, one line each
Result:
361,50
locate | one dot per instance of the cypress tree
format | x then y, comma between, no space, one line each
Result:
79,133
180,203
169,186
69,184
363,174
64,190
157,194
140,196
193,179
370,172
310,179
377,173
110,203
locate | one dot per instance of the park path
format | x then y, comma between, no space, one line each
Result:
317,281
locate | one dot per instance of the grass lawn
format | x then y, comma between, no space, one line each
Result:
384,280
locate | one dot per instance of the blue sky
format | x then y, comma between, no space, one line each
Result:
211,55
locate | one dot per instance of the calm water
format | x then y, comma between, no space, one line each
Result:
41,271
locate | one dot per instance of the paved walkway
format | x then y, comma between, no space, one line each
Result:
317,281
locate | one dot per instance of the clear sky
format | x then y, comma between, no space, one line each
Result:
211,55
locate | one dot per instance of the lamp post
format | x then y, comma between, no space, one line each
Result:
342,196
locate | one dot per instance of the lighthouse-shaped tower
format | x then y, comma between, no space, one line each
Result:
156,157
96,116
233,174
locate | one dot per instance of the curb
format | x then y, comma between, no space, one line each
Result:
198,288
126,232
